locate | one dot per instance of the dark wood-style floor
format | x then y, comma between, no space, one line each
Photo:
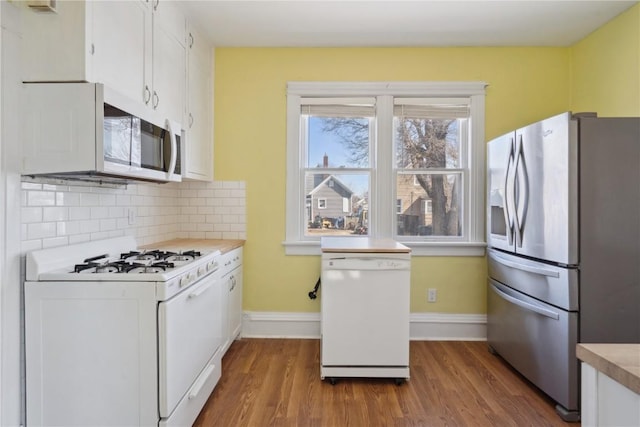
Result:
276,382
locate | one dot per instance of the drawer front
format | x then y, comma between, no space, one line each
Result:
537,339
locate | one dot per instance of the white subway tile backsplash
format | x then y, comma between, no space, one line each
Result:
67,228
67,199
89,199
55,215
99,213
108,224
89,226
55,241
41,198
41,230
31,215
79,213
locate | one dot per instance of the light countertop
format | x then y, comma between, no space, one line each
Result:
223,245
620,362
361,245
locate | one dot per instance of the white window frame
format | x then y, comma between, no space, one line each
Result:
322,199
382,181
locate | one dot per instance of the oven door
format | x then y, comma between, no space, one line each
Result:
189,333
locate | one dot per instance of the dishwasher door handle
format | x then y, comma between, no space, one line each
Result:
364,263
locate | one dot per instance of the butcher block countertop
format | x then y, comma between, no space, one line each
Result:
197,245
620,362
361,245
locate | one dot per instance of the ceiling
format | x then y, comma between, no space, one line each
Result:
332,23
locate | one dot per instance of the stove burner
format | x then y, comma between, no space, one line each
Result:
147,255
79,268
157,267
180,258
108,268
153,261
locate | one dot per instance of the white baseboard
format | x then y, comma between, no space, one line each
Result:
423,326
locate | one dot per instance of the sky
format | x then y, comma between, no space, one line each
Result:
323,142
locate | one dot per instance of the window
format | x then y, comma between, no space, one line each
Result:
362,148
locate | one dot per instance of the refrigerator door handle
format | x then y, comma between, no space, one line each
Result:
528,268
522,197
509,190
524,304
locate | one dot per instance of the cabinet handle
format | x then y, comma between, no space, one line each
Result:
233,283
147,94
190,40
156,100
190,120
155,6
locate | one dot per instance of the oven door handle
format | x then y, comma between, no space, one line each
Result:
202,289
523,304
195,390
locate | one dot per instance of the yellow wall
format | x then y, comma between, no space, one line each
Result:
600,73
525,85
605,73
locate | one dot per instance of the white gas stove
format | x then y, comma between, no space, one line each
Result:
120,336
120,260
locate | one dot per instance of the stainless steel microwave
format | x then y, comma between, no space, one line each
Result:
88,131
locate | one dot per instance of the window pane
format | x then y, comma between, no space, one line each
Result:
337,142
424,143
336,204
430,204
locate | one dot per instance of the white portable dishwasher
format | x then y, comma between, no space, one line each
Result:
365,308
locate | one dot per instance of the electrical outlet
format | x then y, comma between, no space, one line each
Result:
131,216
432,295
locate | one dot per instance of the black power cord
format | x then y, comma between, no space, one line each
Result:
314,293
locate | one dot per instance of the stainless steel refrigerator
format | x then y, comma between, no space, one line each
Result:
563,229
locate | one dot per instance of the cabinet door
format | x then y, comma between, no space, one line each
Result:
122,47
198,124
169,61
235,303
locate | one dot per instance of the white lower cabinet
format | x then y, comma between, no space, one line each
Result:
232,284
606,402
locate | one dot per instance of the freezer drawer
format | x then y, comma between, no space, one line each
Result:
555,285
537,339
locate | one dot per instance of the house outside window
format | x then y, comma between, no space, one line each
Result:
366,147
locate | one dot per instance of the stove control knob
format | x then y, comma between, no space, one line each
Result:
212,265
201,271
184,281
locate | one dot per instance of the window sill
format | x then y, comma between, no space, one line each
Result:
417,248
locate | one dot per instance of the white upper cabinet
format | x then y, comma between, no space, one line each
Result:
198,123
169,60
139,48
135,47
122,46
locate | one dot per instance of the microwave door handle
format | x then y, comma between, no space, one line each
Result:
174,150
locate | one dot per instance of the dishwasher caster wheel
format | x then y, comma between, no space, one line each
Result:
399,381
